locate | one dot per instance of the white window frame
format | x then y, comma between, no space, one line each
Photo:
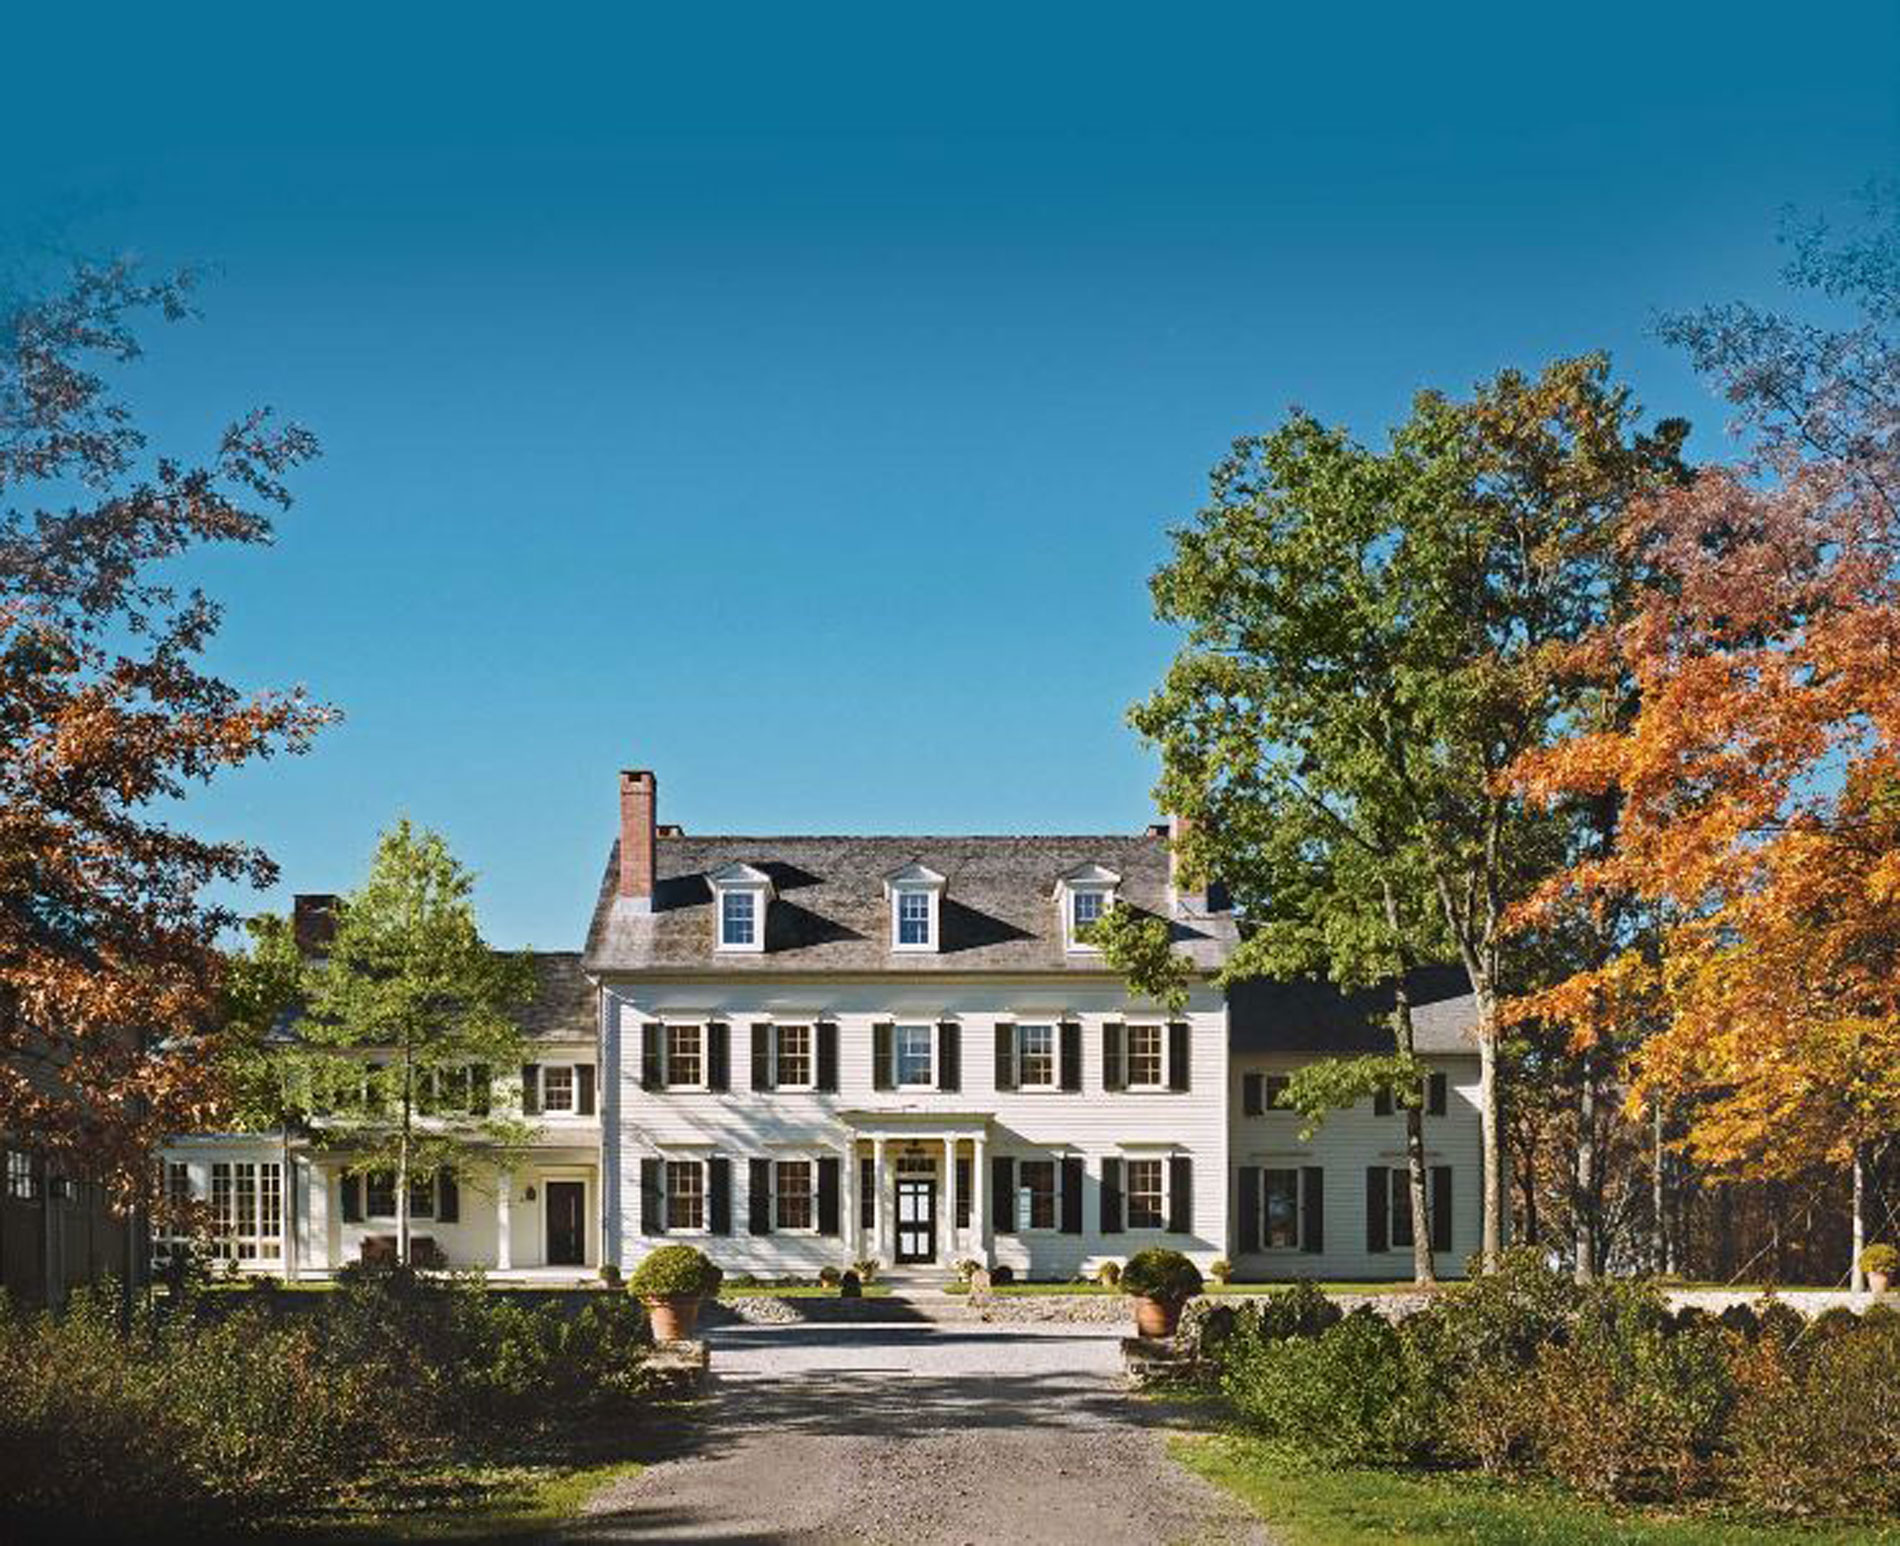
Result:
668,1192
730,892
810,1081
1160,1082
247,1209
910,897
810,1168
1299,1207
1267,1102
1054,1081
548,1108
1071,896
669,1030
898,1081
1129,1162
1025,1204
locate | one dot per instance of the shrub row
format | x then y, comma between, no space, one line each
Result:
1599,1388
219,1412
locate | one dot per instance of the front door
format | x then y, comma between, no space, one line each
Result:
567,1223
916,1219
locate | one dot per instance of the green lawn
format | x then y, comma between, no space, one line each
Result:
1307,1505
471,1504
796,1291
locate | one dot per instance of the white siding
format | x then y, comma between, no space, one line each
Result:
1344,1145
744,1124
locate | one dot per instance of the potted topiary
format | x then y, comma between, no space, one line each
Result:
671,1282
1220,1269
1162,1281
1880,1262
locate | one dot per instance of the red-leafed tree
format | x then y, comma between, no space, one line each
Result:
108,950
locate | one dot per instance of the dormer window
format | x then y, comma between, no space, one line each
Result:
741,894
1084,895
916,893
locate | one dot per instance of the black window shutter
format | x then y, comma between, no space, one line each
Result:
1178,1044
883,1057
448,1198
762,1070
964,1175
352,1199
1382,1103
1180,1195
1072,1193
652,1071
1378,1199
1253,1100
1313,1209
479,1082
1111,1196
827,1195
827,1058
1003,1184
1441,1207
1071,1056
718,1057
584,1091
759,1198
949,1056
1114,1066
1435,1095
530,1089
652,1199
719,1195
1005,1055
1249,1193
867,1193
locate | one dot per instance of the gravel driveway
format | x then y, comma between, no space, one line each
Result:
919,1433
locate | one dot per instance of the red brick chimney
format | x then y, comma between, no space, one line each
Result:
638,794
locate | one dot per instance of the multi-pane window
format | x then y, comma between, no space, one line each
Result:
1146,1057
685,1047
1035,1055
247,1209
913,917
1145,1181
911,1044
1085,910
792,1194
738,918
23,1177
379,1194
1036,1207
557,1087
422,1197
1276,1087
1399,1212
685,1194
1280,1209
794,1056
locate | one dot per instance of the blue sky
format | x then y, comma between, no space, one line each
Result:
796,402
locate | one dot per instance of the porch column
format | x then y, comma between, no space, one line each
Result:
504,1239
979,1213
848,1200
881,1223
948,1252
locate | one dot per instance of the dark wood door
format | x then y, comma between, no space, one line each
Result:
916,1218
567,1223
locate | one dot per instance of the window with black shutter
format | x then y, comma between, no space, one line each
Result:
1312,1209
762,1069
652,1199
1071,1056
1072,1194
1378,1200
1005,1055
1181,1195
883,1056
1253,1095
1114,1064
652,1057
531,1089
448,1208
827,1058
718,1057
1003,1188
584,1092
352,1187
1436,1093
1111,1196
827,1195
719,1195
1247,1191
949,1056
759,1197
1441,1214
1179,1042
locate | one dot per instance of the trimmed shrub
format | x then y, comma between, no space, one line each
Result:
675,1272
1337,1396
1881,1257
1161,1274
1109,1274
1220,1269
829,1277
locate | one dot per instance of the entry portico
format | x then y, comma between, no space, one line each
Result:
921,1183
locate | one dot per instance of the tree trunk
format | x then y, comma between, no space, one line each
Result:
1492,1241
1857,1279
1527,1187
1424,1271
1658,1194
402,1169
1583,1183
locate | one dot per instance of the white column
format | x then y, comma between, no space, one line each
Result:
881,1223
979,1214
848,1200
504,1239
947,1236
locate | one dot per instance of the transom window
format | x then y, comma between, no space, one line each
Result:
557,1087
738,918
912,1048
685,1055
793,1194
1035,1056
1036,1206
685,1194
1145,1182
1280,1209
1146,1056
794,1056
913,917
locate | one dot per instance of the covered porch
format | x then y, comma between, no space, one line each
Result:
918,1197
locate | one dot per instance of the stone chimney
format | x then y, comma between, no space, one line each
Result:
638,794
313,917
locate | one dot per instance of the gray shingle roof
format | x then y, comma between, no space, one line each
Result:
1314,1016
561,1009
831,913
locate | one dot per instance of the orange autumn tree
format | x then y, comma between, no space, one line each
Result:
1759,779
108,951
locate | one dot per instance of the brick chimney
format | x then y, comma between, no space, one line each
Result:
313,918
638,794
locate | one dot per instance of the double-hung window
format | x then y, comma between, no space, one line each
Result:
1146,1201
685,1194
1036,1057
1086,908
23,1177
1399,1208
379,1193
913,918
794,1071
792,1194
557,1087
738,919
1036,1192
685,1055
1147,1057
1275,1091
912,1052
1280,1210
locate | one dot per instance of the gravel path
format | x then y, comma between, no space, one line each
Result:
919,1434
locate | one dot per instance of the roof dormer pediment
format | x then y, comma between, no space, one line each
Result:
737,873
1090,874
915,873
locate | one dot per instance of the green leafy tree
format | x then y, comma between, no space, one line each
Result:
405,1022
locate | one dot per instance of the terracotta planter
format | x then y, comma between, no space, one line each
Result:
1156,1318
1877,1283
673,1319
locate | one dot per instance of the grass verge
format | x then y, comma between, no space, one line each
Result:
470,1504
797,1291
1308,1505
